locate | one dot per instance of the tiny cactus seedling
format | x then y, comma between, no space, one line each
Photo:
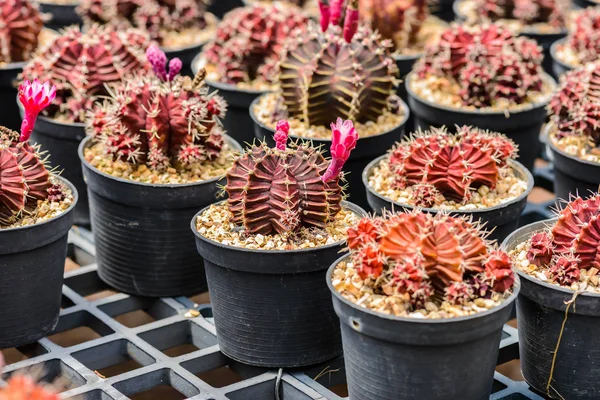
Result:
428,257
281,189
332,71
584,37
20,27
541,251
164,121
81,64
249,41
528,12
439,166
488,65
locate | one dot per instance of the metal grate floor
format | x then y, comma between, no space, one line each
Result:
110,345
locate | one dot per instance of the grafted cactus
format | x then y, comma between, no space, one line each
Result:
584,37
428,256
20,27
163,120
333,72
437,163
281,189
81,64
249,41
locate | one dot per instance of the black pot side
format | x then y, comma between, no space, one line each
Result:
503,218
222,7
540,316
396,358
367,149
9,115
62,15
559,68
143,243
443,9
546,40
32,261
272,308
523,127
405,65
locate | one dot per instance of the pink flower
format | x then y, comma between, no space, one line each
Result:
158,60
34,96
175,66
343,141
281,134
325,14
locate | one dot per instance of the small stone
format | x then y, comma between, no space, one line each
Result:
192,313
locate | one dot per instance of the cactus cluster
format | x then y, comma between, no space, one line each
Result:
428,257
584,37
20,27
528,12
153,16
489,65
249,41
571,244
440,166
166,120
337,72
282,189
81,63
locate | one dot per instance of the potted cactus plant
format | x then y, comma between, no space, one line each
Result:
62,12
574,132
180,27
557,308
485,77
266,250
420,290
544,21
329,72
473,173
581,46
148,170
36,213
80,64
241,60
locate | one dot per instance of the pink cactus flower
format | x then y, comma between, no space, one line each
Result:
34,96
158,60
343,141
175,66
335,14
351,21
325,10
282,131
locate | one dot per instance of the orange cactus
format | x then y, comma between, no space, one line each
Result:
21,387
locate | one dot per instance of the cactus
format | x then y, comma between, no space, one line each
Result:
565,270
165,120
20,26
541,250
82,63
249,41
281,189
337,72
584,37
436,163
428,257
488,64
551,12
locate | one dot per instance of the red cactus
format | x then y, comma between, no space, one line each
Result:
80,64
459,293
20,26
541,250
249,41
454,164
368,261
425,195
584,37
409,277
498,271
365,231
565,270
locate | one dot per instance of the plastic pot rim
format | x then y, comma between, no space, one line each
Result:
547,78
532,279
506,303
546,134
59,217
86,142
292,136
345,204
513,163
553,49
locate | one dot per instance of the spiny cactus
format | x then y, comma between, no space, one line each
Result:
81,64
428,257
337,72
24,178
249,41
163,120
584,37
281,189
541,251
489,64
437,163
153,16
20,26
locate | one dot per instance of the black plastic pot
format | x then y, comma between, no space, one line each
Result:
367,149
523,126
405,65
62,15
186,55
558,67
272,307
503,218
9,115
585,3
396,358
32,261
222,7
541,314
143,245
443,9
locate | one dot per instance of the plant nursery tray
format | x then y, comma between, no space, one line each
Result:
110,345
